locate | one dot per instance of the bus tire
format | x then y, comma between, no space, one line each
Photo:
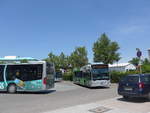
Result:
12,88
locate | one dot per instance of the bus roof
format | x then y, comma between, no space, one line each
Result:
90,66
16,58
28,63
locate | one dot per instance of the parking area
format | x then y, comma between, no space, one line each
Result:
114,105
65,86
65,94
67,97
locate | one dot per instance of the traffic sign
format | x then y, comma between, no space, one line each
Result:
139,53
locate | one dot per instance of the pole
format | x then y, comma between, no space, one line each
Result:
139,54
140,66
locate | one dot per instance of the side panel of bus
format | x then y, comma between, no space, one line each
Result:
82,78
25,77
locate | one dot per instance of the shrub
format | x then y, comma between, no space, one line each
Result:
116,76
1,62
68,76
145,68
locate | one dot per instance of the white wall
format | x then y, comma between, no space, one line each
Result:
122,68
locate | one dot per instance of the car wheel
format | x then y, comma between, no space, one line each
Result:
11,88
125,97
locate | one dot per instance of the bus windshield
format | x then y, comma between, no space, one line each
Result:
100,74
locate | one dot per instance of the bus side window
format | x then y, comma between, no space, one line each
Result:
32,73
17,72
80,74
10,73
39,72
35,72
24,74
86,74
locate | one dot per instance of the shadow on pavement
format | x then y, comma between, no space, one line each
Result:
99,87
39,92
134,100
25,92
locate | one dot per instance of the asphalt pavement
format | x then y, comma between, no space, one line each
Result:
65,94
114,105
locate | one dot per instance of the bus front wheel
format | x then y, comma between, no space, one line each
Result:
11,88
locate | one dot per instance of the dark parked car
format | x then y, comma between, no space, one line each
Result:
137,85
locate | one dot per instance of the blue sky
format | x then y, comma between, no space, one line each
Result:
36,27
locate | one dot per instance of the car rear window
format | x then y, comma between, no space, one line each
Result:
145,79
130,79
133,79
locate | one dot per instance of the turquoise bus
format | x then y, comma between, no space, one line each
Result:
31,76
93,75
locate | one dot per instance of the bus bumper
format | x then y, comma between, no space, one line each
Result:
100,83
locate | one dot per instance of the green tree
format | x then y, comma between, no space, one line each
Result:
78,57
146,62
135,61
63,61
52,58
146,66
105,50
24,61
60,61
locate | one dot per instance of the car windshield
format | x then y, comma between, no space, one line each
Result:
100,74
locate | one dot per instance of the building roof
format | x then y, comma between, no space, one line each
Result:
119,65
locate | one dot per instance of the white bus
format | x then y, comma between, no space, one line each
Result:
93,75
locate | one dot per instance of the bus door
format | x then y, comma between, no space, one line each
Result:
2,72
